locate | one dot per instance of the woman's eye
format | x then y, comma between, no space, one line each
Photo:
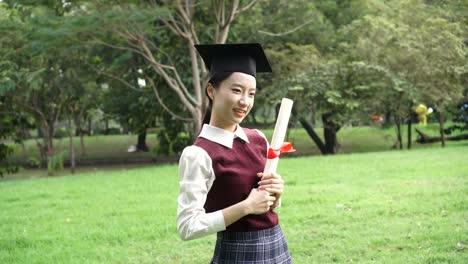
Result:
236,90
252,94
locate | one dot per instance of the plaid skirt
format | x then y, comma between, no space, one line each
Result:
263,246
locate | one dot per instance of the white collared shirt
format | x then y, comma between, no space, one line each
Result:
196,178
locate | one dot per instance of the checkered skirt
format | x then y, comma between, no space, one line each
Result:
255,247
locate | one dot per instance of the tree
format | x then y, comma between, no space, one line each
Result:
144,32
31,71
48,76
335,90
442,66
390,47
311,69
129,102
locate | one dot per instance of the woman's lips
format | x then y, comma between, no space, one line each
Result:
239,112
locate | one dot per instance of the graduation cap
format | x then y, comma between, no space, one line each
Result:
243,57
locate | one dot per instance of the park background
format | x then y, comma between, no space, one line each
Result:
99,97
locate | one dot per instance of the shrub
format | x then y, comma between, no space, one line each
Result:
55,163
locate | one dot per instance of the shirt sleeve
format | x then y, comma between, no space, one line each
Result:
196,178
268,146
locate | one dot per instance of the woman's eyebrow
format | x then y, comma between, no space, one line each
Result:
238,84
242,86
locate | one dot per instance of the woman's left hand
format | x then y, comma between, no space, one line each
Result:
273,184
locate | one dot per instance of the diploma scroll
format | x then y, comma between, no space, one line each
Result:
278,134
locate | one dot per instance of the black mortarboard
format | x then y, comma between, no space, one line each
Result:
244,57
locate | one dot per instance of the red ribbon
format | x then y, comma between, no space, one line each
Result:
275,153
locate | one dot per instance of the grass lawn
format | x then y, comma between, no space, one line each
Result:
381,207
351,140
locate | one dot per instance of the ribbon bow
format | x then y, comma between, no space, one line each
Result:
275,153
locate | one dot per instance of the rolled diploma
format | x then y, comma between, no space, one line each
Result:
279,133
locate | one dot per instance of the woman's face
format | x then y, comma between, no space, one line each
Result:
232,100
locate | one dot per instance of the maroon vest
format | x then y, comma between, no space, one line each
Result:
235,176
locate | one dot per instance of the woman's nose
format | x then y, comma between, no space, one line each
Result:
243,100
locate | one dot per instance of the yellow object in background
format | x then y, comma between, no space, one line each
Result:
422,112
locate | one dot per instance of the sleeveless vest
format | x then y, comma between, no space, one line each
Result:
235,176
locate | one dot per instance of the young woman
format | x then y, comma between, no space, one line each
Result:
222,187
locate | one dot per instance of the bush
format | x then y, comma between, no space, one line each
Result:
181,141
61,133
170,146
55,163
110,131
5,166
34,162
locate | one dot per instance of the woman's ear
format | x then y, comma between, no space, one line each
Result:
210,91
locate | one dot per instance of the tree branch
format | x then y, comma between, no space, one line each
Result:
120,80
232,12
184,12
114,46
153,86
174,71
173,84
246,7
286,32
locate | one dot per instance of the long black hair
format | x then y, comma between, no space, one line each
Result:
215,80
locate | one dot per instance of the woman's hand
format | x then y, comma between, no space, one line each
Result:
273,184
259,202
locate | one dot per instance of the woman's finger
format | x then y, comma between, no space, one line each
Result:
268,176
271,186
271,181
274,190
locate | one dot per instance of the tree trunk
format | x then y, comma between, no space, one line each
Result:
48,147
82,146
409,130
330,139
387,117
329,133
310,131
80,131
42,153
409,134
90,132
424,139
48,131
141,145
441,128
106,122
399,143
72,146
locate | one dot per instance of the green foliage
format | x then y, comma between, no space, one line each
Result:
171,141
132,105
61,133
6,167
460,118
343,59
55,163
33,162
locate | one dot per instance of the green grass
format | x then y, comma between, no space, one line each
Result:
97,147
351,140
382,207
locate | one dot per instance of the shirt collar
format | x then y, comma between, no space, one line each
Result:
221,136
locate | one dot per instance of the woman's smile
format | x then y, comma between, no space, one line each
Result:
239,112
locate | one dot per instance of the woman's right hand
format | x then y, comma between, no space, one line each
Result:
259,201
